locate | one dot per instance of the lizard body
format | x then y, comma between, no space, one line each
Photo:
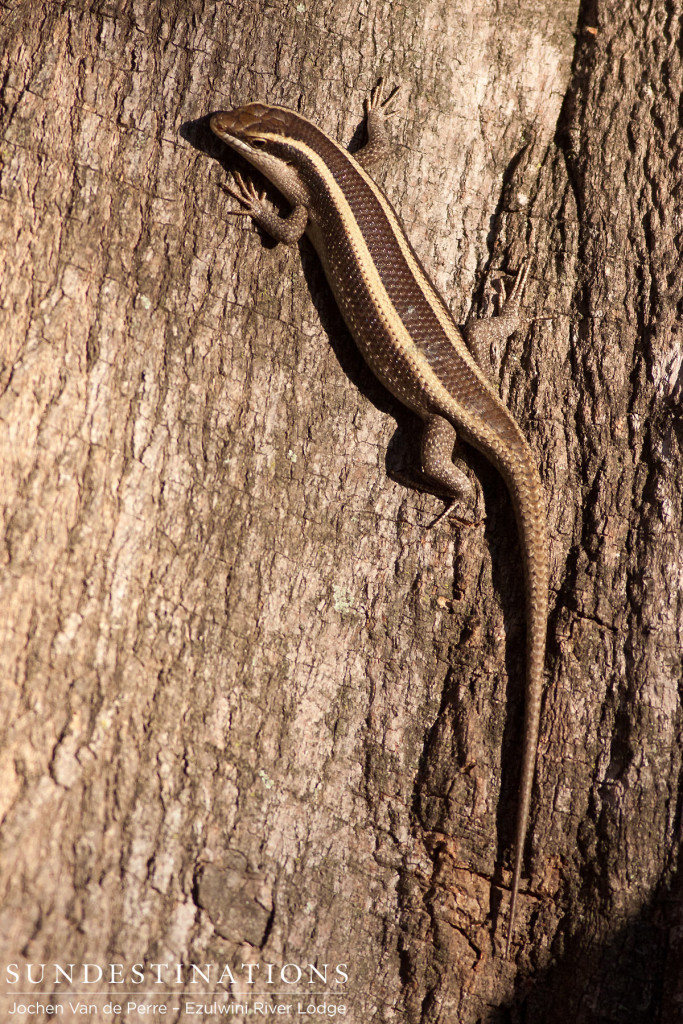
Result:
407,336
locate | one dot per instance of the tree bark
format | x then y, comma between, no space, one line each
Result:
255,711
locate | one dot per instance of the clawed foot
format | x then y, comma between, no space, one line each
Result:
449,513
511,303
246,195
374,102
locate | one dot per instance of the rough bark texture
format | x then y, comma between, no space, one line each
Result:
253,710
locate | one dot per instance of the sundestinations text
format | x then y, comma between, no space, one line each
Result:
178,973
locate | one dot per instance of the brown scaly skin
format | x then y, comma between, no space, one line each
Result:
408,337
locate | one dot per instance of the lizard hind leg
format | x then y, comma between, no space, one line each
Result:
482,334
439,440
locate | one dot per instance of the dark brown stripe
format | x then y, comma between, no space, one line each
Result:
405,293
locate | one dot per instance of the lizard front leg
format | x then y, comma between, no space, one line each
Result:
287,230
378,146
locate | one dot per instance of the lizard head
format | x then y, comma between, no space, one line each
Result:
269,138
257,131
253,125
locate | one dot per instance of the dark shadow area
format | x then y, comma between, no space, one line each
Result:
635,978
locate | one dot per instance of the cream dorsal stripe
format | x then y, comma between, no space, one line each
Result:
425,286
385,308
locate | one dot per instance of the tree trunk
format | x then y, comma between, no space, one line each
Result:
255,710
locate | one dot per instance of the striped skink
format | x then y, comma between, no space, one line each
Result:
408,337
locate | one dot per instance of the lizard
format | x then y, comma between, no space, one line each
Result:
409,339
